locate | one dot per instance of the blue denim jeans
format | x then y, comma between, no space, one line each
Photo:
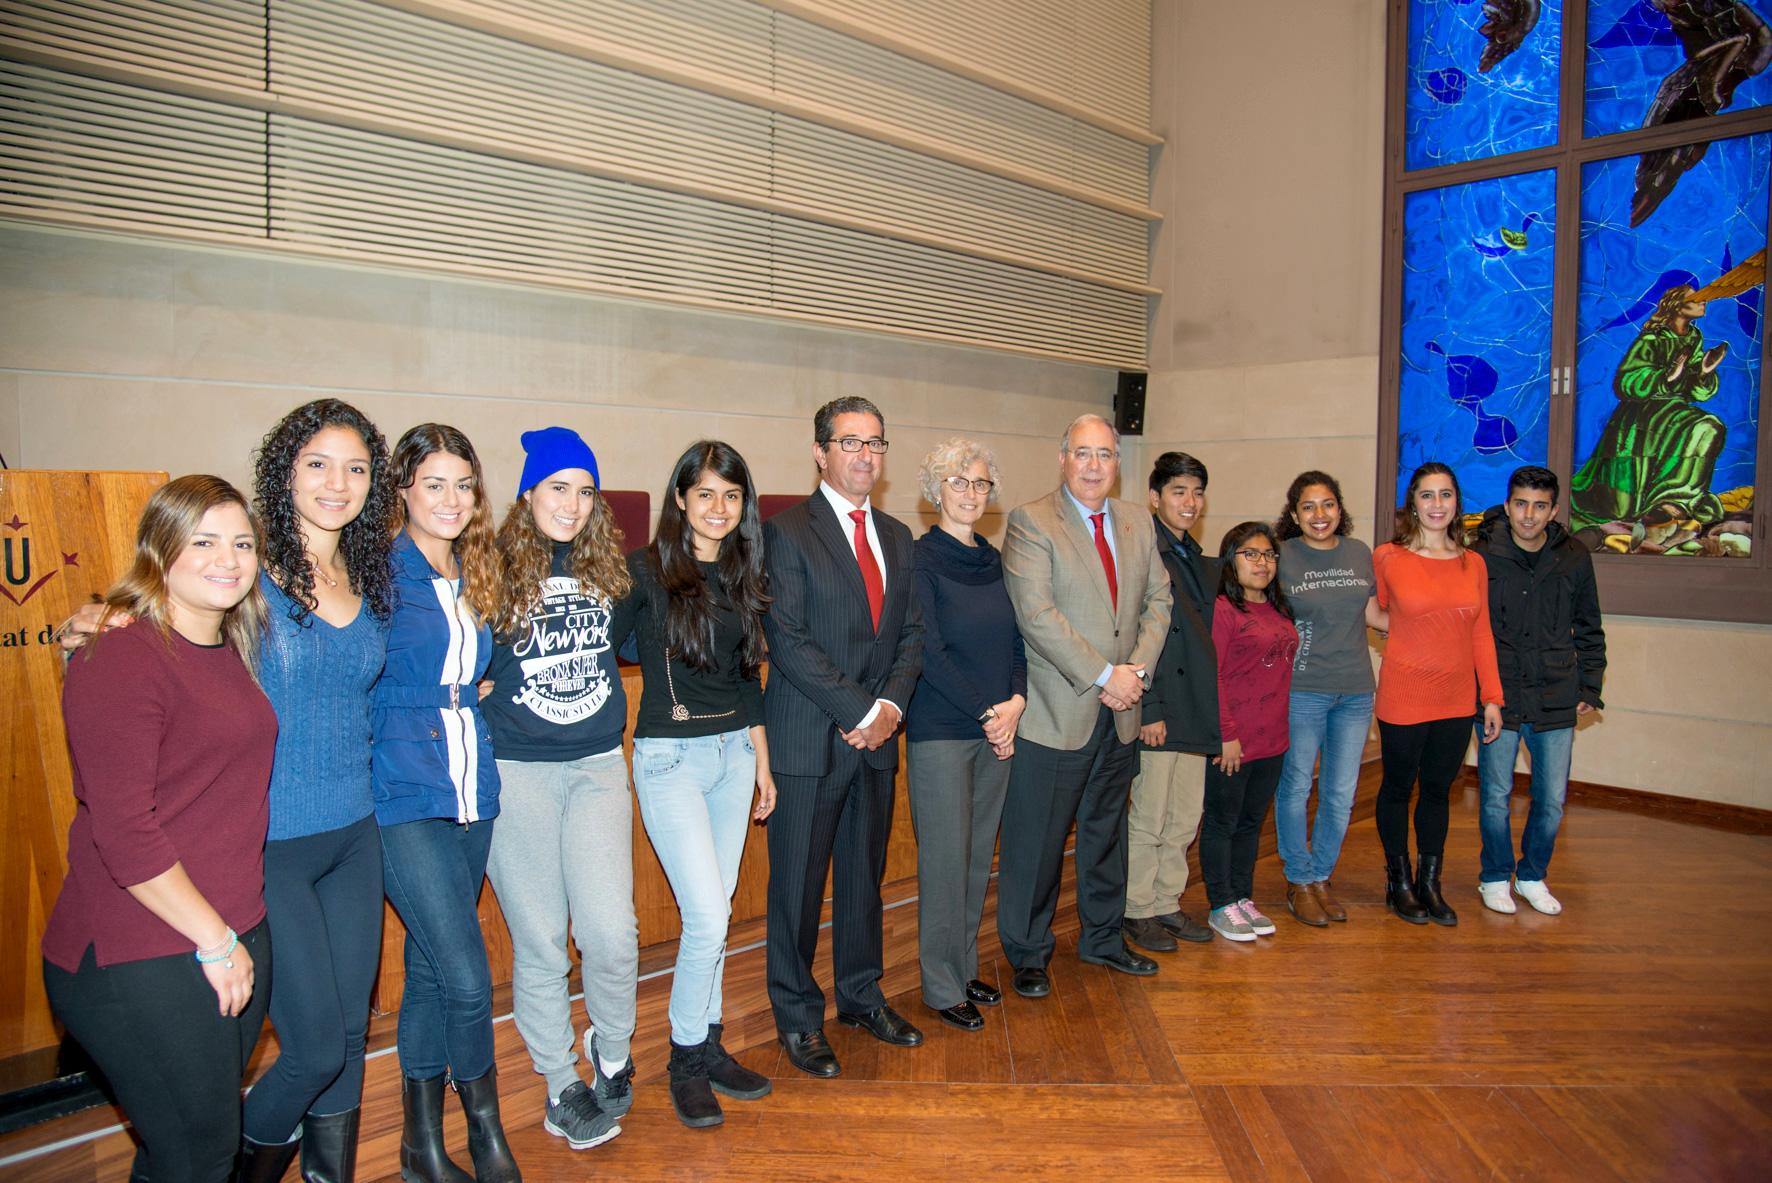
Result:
1550,752
432,870
695,798
1335,725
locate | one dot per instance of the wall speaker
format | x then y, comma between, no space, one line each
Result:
1129,403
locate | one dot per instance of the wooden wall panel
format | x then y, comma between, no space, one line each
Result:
64,536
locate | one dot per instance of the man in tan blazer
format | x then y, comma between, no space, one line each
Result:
1092,600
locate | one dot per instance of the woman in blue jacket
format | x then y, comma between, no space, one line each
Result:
436,794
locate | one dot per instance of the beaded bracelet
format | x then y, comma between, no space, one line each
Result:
224,952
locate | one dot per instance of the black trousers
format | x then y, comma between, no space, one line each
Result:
1049,788
174,1061
1432,752
839,823
1235,809
323,902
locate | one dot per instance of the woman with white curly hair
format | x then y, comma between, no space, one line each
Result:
960,728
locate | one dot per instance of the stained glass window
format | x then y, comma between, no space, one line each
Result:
1482,78
1668,351
1477,269
1651,62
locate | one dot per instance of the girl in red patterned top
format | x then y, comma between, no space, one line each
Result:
1256,640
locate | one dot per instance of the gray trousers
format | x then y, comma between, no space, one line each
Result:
1167,796
563,851
956,790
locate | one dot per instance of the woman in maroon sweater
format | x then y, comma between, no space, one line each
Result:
1256,640
151,955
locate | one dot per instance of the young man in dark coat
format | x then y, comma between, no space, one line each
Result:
1545,613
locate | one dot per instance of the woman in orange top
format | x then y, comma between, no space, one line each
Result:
1440,654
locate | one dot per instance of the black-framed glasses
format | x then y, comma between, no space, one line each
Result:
850,443
960,484
1260,556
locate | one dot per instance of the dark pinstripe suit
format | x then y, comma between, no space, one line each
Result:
827,665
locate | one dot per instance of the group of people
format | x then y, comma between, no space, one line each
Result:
352,686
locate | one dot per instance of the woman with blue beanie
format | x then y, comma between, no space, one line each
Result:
562,856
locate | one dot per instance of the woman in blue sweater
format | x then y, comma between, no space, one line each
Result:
436,794
960,728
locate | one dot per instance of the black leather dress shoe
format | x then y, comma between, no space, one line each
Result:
965,1016
885,1025
983,993
1126,961
1032,982
1184,927
810,1052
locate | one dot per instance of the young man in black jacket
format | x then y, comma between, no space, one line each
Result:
1179,730
1545,613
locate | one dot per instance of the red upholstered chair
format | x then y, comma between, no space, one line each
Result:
770,504
633,513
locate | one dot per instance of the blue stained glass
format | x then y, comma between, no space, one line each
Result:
1483,78
1715,60
1474,392
1680,445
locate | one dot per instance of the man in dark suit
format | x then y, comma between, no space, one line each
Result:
845,636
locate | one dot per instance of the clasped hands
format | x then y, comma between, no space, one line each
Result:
884,726
1125,686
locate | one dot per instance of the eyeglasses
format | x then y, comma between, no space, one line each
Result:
960,484
1099,455
851,444
1260,556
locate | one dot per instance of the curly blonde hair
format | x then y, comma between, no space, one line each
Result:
950,458
526,558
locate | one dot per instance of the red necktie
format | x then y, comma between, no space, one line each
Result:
870,570
1107,559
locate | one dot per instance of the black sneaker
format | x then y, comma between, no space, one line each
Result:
614,1093
579,1119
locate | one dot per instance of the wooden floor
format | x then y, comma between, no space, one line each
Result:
1629,1039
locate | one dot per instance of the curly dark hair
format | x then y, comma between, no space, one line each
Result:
1230,587
1286,525
364,543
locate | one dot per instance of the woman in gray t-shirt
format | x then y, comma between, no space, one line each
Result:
1327,576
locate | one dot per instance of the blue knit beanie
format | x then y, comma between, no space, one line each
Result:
551,450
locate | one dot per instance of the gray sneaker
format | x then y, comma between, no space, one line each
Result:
1228,923
579,1119
614,1093
1260,925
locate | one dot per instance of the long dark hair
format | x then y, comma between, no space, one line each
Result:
363,543
689,615
1286,527
1409,521
1230,587
474,548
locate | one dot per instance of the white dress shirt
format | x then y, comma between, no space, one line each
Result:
843,507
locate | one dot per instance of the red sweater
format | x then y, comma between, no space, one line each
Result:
1255,652
172,745
1440,650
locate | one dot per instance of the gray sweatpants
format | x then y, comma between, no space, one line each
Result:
563,851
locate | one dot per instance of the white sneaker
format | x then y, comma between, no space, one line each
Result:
1538,895
1497,898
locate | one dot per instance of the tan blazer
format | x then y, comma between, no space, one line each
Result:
1067,618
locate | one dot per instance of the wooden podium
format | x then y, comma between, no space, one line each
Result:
64,537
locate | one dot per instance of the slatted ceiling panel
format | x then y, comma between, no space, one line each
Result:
99,149
408,67
822,168
211,40
816,63
724,36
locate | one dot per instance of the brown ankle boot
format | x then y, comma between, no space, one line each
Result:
1302,904
1331,907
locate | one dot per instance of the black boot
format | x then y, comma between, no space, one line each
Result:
422,1157
690,1092
1399,893
486,1134
260,1162
329,1147
727,1075
1427,890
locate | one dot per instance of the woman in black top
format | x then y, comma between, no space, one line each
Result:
697,606
960,727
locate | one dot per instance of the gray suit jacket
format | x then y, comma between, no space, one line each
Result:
1067,617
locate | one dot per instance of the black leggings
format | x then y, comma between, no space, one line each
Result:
1230,827
1433,751
174,1061
323,899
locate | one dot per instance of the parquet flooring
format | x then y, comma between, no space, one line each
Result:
1627,1041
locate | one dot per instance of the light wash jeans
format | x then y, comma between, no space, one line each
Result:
1550,752
1335,725
695,798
